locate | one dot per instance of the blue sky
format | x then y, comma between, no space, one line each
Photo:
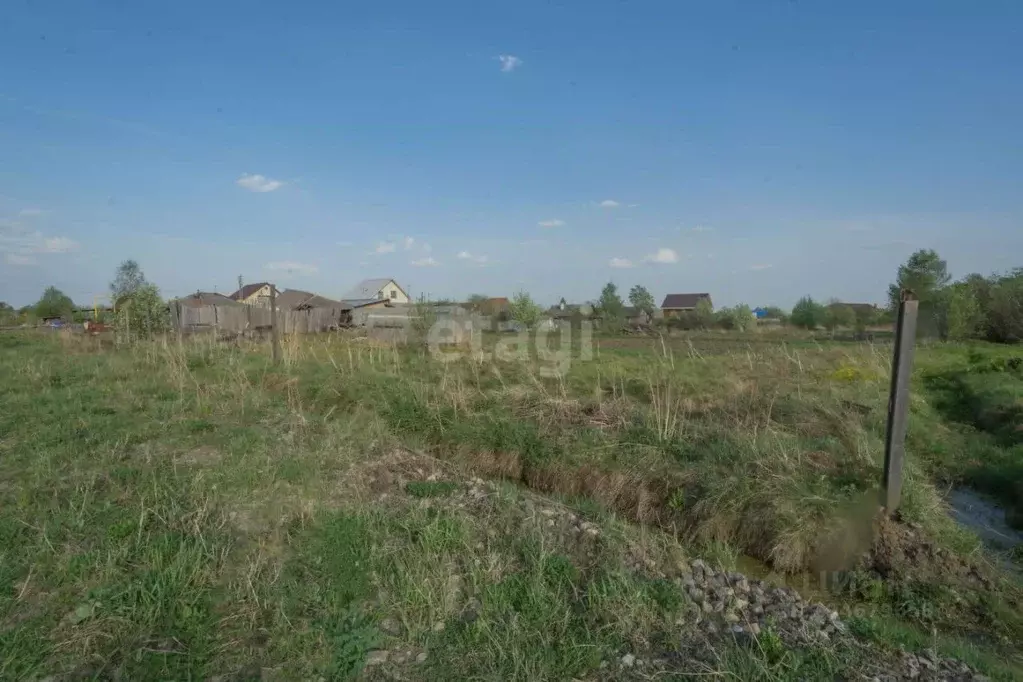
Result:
756,150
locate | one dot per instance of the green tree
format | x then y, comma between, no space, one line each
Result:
642,299
54,303
610,303
128,280
523,309
837,314
924,273
963,317
144,313
738,317
775,313
7,313
703,314
865,317
807,313
1005,309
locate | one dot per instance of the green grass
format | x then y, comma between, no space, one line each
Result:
180,513
978,389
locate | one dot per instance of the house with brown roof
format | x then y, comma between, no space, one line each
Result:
677,304
257,293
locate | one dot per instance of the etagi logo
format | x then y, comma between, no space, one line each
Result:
451,340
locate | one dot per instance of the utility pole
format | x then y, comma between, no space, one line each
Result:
275,335
898,400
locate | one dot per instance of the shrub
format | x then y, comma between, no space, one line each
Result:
807,313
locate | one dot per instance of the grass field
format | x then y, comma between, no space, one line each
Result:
192,511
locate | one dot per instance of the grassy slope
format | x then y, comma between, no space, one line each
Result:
178,515
978,388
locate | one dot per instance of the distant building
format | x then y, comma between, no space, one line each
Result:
676,304
203,298
372,290
254,294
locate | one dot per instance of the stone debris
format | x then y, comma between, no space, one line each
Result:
725,602
377,657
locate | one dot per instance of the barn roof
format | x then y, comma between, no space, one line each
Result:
683,300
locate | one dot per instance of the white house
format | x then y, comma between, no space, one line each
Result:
369,290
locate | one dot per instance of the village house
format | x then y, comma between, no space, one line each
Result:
370,291
255,294
675,305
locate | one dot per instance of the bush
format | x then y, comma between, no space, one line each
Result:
807,313
523,309
143,313
54,303
738,317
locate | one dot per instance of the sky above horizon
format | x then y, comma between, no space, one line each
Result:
758,151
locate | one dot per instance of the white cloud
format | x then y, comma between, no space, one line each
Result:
427,262
553,222
385,247
620,263
17,240
427,248
701,228
57,245
662,255
474,258
509,62
32,212
761,267
258,183
343,244
408,242
19,259
609,203
292,268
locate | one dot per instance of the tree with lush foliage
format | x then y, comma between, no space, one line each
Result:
838,314
127,281
926,275
1004,319
54,303
522,308
642,299
772,312
143,313
703,313
7,313
962,316
739,317
807,313
610,303
865,317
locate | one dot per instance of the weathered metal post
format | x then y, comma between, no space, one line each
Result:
898,400
275,335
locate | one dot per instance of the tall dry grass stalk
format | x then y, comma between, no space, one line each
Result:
667,406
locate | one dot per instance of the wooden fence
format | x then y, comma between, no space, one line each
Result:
243,318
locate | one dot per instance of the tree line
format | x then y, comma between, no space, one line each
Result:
138,308
973,307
